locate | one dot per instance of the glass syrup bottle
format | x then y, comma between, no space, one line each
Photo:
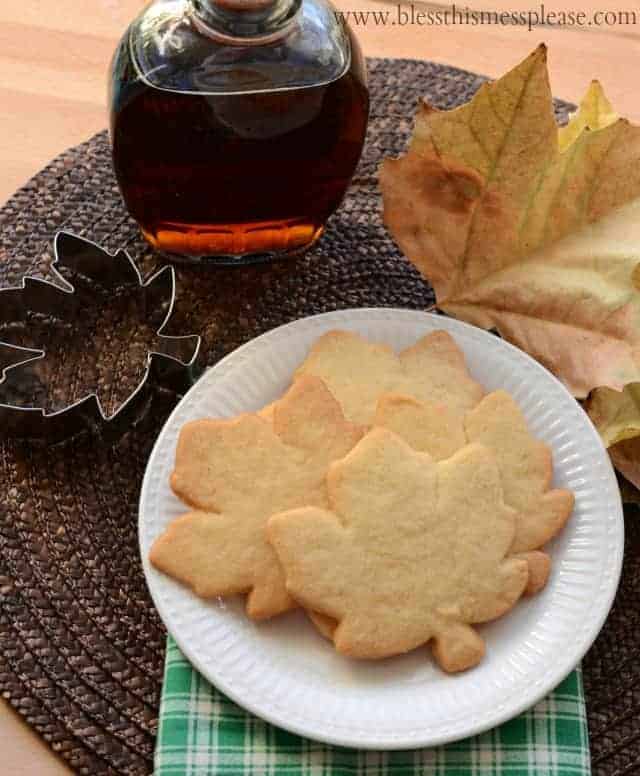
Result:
236,125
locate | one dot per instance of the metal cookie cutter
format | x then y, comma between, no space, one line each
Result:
171,366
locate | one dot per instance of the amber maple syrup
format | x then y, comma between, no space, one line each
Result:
235,175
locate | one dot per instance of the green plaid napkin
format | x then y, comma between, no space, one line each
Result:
203,733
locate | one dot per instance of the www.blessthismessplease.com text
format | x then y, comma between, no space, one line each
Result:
404,15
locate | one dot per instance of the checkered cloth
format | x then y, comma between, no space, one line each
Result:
203,733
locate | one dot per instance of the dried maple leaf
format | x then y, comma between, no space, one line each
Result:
528,229
413,550
616,414
625,456
629,483
236,474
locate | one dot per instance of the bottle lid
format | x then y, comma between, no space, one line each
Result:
244,6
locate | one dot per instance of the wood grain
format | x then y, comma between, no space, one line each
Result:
54,58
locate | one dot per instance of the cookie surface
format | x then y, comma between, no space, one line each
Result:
428,427
358,372
525,463
410,551
235,474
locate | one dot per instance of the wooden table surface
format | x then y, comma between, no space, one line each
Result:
53,63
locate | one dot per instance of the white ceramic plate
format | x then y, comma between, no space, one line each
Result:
283,671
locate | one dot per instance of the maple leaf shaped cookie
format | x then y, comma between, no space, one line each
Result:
525,464
411,551
358,372
236,474
427,426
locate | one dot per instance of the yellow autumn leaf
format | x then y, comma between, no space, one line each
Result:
526,228
616,414
595,113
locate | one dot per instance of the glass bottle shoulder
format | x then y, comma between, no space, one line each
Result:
170,51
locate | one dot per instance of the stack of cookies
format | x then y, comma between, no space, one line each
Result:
384,493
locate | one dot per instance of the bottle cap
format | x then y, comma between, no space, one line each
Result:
243,6
246,22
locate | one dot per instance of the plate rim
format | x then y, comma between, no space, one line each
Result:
553,678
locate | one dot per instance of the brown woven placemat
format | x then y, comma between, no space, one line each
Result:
81,646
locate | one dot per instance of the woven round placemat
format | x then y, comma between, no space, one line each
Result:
81,646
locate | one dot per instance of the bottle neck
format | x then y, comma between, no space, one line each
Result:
245,22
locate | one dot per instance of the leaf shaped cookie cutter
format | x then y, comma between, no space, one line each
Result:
171,366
